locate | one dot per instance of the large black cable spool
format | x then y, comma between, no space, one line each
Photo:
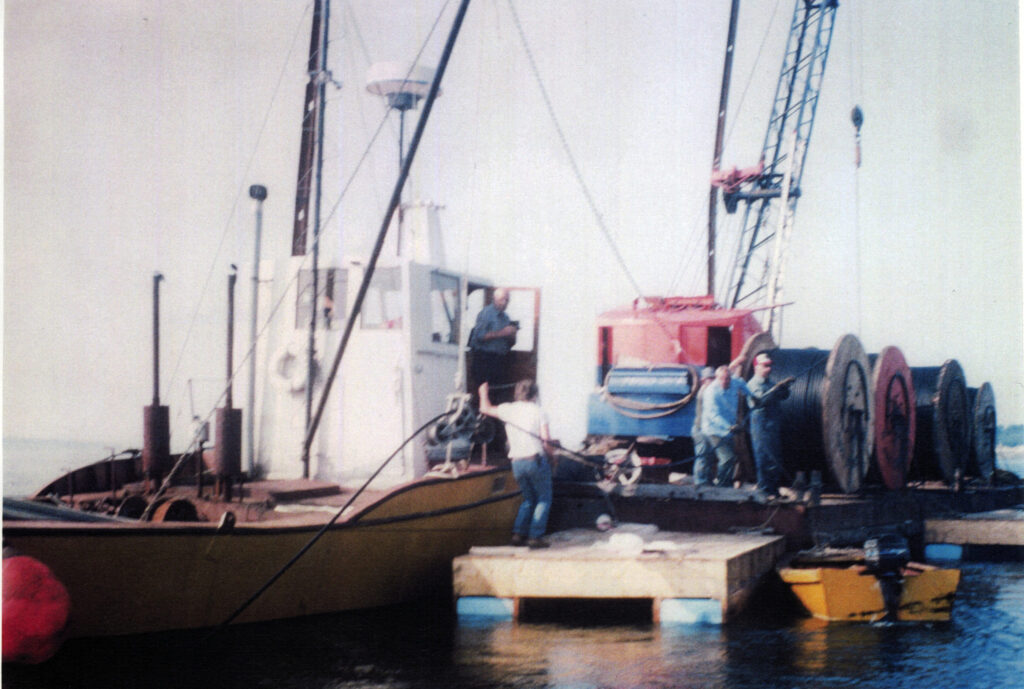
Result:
943,421
826,420
982,455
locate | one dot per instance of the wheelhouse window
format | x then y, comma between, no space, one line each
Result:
330,302
444,308
382,308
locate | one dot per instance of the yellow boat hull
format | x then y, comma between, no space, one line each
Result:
851,594
144,577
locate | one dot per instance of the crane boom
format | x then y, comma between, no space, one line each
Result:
756,270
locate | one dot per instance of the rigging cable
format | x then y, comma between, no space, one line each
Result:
568,152
672,337
856,67
285,293
382,232
238,196
323,529
694,248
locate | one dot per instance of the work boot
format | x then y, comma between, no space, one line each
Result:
518,540
536,543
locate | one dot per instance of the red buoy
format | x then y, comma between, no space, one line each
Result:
35,612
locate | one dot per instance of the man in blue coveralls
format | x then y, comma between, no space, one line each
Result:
720,409
765,422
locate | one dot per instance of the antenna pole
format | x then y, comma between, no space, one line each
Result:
258,193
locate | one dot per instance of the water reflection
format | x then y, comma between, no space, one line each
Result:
424,646
555,655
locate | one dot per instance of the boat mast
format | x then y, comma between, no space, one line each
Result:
320,77
396,197
307,141
716,163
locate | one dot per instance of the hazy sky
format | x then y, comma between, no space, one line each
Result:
134,128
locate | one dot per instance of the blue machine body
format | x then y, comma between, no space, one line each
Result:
660,385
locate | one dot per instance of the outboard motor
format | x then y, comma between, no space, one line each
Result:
885,557
886,554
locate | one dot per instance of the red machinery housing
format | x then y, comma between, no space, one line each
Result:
649,356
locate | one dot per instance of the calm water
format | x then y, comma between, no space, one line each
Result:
422,646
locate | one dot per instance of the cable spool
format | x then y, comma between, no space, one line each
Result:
943,421
827,417
895,416
982,454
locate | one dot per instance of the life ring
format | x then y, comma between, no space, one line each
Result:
290,367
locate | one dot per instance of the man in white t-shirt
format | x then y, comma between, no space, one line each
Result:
529,441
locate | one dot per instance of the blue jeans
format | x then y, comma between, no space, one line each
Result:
767,446
701,465
533,475
720,447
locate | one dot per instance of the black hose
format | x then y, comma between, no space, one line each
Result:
316,537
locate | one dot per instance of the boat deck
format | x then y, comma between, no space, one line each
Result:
837,519
291,502
689,577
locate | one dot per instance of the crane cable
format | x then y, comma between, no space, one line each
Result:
568,152
672,338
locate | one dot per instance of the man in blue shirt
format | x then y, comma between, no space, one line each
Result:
491,340
701,473
720,408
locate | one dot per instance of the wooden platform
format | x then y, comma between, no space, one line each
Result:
949,537
689,577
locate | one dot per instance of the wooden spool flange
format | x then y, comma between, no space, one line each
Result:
944,421
847,413
983,431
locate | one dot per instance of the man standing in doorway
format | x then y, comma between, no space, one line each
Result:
491,340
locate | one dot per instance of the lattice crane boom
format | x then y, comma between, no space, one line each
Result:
770,191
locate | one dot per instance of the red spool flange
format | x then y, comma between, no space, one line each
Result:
895,416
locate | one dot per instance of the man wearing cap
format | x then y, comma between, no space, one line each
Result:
718,423
765,424
701,473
